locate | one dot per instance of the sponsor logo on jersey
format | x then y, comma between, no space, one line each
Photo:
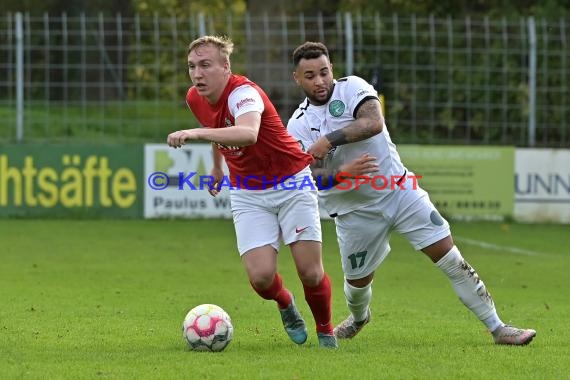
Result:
245,102
227,148
336,108
362,92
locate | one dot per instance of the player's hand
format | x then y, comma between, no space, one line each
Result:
218,175
362,165
320,149
178,139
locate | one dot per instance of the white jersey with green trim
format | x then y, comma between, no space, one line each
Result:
309,122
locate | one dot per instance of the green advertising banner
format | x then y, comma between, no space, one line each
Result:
465,181
71,181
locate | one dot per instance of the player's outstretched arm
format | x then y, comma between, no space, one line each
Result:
243,133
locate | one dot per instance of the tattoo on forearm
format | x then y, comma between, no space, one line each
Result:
337,137
369,122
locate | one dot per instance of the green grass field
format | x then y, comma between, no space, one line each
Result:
105,300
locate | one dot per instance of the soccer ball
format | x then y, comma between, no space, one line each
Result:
207,327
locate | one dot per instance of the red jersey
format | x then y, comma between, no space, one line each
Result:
275,156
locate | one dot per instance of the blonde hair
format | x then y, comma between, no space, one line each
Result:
222,43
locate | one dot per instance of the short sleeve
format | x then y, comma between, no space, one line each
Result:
358,91
245,99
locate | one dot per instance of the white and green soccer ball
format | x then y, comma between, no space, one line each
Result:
207,327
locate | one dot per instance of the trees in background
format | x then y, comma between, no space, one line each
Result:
151,64
185,8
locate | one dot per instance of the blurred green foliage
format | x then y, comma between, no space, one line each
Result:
184,8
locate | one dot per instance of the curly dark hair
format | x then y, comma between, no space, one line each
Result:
309,50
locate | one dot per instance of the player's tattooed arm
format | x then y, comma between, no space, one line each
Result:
325,178
328,177
369,122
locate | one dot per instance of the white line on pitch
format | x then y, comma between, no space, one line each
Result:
496,247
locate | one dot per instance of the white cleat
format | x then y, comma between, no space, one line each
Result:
507,334
348,328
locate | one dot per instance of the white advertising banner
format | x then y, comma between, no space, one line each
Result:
542,185
176,183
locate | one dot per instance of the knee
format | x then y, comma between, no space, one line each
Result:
439,249
261,279
361,282
311,276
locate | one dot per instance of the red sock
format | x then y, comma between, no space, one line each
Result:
319,300
276,292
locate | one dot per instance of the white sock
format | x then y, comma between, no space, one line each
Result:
358,300
470,288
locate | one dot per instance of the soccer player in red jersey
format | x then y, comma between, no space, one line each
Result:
266,164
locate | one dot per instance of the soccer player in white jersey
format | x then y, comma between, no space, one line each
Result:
340,123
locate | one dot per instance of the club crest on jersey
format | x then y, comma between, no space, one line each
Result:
336,108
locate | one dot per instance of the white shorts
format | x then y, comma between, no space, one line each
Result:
363,235
263,217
